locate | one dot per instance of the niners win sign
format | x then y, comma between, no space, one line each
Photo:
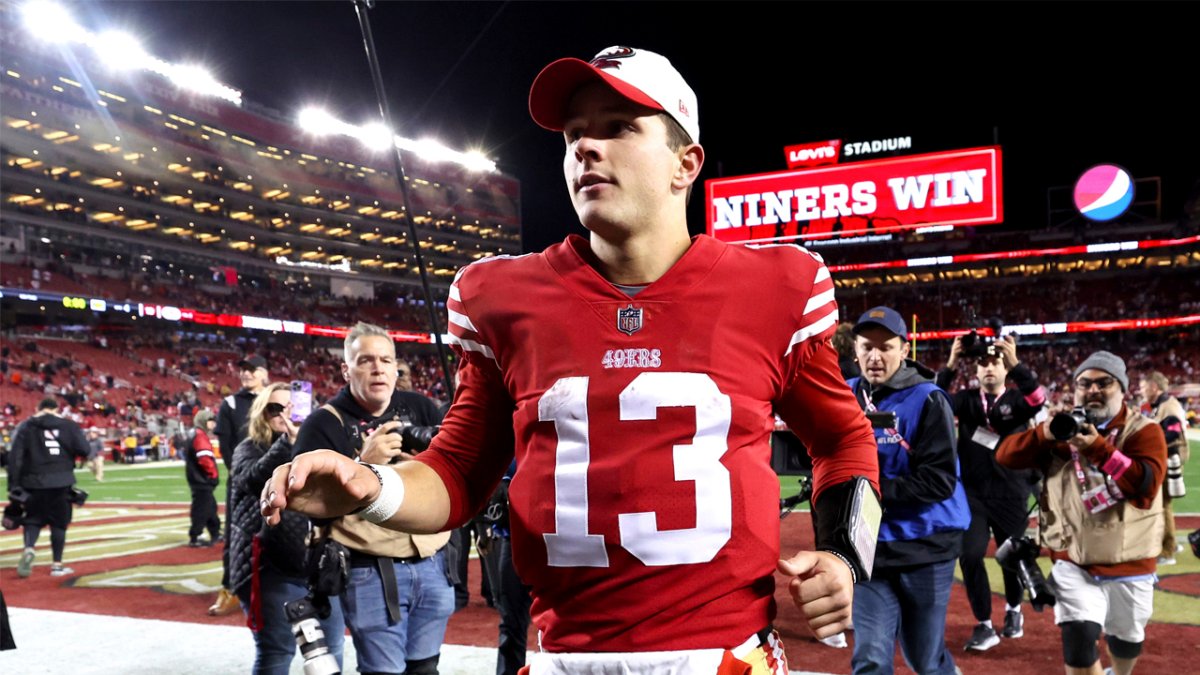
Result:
959,187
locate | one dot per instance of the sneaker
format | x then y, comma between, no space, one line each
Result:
25,564
982,639
60,571
1166,561
836,641
200,543
1014,624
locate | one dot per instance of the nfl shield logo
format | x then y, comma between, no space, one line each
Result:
629,320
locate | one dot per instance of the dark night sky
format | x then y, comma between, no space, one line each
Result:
1060,86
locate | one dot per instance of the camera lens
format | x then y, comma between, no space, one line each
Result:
1063,426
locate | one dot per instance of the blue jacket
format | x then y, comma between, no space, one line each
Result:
924,506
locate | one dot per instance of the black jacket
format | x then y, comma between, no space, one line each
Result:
322,430
43,452
196,449
231,422
283,547
1010,412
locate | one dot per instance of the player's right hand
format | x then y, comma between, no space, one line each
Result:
319,484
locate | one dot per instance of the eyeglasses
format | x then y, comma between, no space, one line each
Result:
274,410
1083,384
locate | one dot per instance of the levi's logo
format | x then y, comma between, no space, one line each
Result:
813,154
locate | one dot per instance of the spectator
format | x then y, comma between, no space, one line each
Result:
400,595
276,574
1167,411
924,506
202,476
42,464
998,497
95,457
231,430
609,363
1101,514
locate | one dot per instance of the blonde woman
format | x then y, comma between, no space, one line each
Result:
266,565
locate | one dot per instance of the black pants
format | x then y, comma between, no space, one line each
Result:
228,513
512,599
1002,519
462,593
204,514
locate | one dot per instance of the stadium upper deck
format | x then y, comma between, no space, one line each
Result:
116,162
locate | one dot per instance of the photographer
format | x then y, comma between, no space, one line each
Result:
400,595
41,464
1167,411
998,496
924,506
1101,513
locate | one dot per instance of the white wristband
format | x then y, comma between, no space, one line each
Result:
391,495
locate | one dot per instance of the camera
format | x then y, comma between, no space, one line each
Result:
1019,555
881,419
978,345
1065,425
416,437
328,571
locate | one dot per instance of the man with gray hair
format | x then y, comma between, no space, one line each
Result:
1165,409
1101,514
400,594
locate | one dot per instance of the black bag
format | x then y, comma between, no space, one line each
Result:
328,567
14,515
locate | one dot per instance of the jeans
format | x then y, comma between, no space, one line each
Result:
274,644
908,603
426,603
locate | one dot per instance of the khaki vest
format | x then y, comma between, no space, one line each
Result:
1122,533
1172,408
363,536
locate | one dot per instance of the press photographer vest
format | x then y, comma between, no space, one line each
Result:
362,536
1121,533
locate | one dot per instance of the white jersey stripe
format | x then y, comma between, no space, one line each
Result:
822,275
815,328
472,346
819,300
454,295
461,320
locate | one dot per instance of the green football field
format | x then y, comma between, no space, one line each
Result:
165,482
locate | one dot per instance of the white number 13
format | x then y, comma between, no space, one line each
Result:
565,404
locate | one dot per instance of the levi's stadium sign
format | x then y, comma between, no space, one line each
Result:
952,188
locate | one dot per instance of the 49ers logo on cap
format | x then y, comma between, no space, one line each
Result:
609,57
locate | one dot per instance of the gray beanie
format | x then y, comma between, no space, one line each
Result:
1109,363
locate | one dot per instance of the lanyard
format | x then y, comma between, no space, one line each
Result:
987,410
1079,475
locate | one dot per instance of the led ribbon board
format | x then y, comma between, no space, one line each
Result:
955,188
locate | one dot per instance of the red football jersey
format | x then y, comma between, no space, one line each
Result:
644,510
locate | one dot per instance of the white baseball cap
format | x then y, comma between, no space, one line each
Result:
637,74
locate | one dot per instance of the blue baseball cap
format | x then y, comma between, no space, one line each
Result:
885,317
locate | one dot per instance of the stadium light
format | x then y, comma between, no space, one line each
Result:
51,22
120,50
375,136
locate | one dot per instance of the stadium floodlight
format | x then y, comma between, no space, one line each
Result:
120,50
198,79
51,22
320,122
375,136
477,161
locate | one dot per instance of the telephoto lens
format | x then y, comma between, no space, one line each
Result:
1064,425
302,614
1175,485
1019,555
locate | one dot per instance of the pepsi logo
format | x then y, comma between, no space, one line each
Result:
1103,192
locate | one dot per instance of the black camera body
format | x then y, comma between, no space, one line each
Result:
1019,555
416,437
978,345
1065,425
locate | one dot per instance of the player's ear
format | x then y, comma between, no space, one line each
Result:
691,160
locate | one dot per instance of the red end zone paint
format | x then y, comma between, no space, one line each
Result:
960,187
